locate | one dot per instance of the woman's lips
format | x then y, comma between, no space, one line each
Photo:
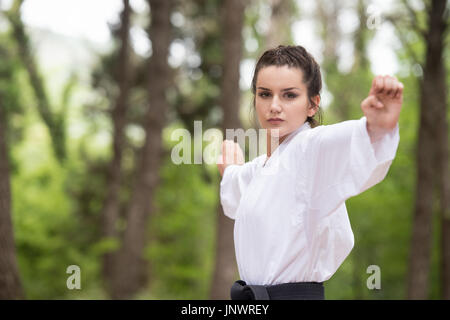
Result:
275,121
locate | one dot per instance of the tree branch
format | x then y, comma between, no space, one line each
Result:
54,123
414,18
402,39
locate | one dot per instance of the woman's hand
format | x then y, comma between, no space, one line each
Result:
382,106
231,154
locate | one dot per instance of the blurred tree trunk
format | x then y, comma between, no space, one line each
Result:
54,122
328,13
111,206
347,96
430,154
361,38
280,23
444,204
130,273
444,190
10,286
439,25
232,21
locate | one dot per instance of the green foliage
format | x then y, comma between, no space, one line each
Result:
50,233
381,220
56,208
183,232
10,94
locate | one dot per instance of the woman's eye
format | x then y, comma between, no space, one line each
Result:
288,95
291,95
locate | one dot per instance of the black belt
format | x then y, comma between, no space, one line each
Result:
285,291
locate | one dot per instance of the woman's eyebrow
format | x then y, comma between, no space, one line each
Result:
287,89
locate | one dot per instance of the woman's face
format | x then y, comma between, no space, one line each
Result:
281,94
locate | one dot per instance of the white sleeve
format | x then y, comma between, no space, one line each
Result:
235,180
346,163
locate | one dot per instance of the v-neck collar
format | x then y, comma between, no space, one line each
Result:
282,145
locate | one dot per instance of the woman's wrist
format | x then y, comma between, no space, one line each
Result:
376,133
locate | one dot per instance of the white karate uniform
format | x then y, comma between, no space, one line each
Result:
291,223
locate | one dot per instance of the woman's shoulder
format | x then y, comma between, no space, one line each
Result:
307,143
334,130
305,137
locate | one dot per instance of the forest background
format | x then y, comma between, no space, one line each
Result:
91,92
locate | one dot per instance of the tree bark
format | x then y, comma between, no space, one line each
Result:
131,268
280,24
10,285
431,132
438,28
111,207
419,267
328,15
361,38
232,17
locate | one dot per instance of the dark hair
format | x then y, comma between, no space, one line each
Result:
297,57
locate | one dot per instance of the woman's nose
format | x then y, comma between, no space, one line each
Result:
275,106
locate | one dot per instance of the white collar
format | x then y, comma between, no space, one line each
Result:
304,126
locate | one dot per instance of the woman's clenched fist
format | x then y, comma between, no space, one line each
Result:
231,154
382,106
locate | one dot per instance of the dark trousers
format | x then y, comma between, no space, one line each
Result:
285,291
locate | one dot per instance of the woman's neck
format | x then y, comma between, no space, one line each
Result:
273,143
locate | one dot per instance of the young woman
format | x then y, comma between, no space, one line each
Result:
292,230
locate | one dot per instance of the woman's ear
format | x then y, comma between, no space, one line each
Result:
314,107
